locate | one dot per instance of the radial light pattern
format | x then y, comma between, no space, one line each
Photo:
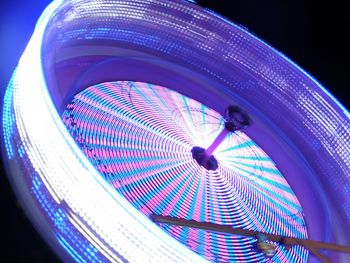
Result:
139,136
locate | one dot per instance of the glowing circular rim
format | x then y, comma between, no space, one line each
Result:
39,148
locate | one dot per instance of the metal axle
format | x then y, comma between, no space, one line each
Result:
235,119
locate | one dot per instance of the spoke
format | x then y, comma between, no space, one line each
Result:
312,245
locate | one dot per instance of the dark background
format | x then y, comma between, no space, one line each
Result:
312,33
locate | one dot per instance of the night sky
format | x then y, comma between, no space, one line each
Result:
311,33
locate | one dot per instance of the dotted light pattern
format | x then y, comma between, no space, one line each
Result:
75,209
68,200
139,136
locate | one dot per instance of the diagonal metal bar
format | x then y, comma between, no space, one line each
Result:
313,246
320,256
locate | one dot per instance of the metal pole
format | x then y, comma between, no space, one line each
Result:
311,245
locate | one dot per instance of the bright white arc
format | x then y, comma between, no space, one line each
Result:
71,178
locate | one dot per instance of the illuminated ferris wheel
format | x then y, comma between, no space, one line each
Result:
159,131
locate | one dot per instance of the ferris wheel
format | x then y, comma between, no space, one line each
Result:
159,131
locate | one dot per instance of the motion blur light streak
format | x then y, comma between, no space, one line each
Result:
139,136
90,194
72,183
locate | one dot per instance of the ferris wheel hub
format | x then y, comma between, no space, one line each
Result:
208,162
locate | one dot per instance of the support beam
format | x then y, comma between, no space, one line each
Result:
311,245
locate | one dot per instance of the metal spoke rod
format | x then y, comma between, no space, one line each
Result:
311,245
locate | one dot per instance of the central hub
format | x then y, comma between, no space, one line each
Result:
208,162
235,119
